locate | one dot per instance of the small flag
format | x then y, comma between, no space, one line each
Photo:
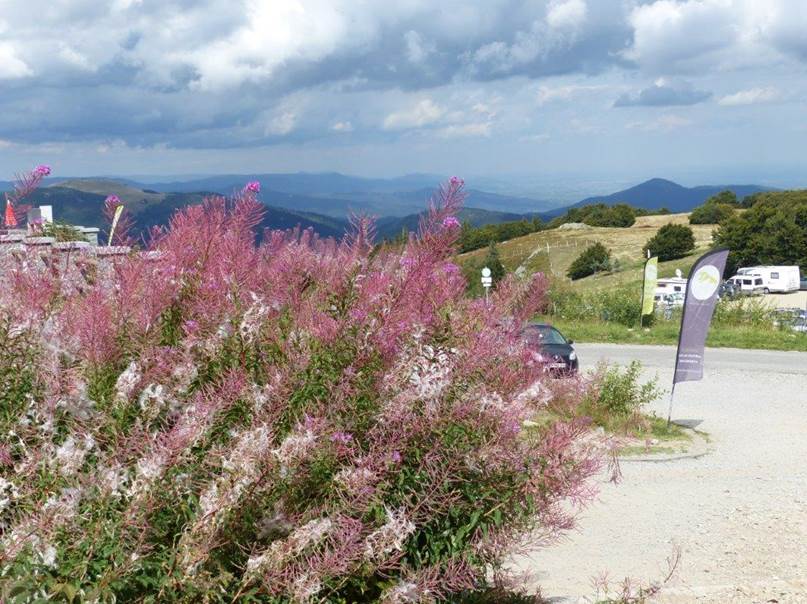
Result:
115,218
650,282
10,219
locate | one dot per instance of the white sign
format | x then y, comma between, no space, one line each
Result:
486,272
705,282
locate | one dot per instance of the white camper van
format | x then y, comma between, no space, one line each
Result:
775,279
671,291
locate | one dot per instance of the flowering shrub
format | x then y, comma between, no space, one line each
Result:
300,419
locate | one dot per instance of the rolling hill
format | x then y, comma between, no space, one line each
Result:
84,206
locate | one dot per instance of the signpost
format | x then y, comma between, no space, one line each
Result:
487,281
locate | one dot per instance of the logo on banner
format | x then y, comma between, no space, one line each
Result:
705,282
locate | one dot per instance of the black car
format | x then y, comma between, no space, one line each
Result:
555,349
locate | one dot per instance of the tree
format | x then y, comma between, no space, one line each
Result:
594,259
726,197
772,231
672,241
494,263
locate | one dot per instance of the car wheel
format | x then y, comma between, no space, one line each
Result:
766,291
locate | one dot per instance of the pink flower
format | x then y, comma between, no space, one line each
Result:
456,181
451,222
253,187
42,170
112,200
341,437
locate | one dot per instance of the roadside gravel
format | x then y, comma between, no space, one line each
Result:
738,514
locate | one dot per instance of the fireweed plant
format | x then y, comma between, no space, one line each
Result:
293,420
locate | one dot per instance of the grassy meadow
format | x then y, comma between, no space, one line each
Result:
553,251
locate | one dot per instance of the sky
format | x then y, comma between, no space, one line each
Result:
703,91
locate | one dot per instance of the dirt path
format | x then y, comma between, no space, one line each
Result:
739,514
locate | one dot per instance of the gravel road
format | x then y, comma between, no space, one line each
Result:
739,514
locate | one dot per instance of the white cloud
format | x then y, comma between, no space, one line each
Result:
568,14
753,96
463,130
541,137
11,66
281,124
548,94
665,123
425,112
417,50
668,33
342,127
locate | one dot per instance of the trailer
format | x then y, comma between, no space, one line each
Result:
775,279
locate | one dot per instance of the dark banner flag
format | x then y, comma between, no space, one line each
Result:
699,305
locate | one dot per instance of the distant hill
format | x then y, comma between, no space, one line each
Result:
85,208
338,195
303,183
391,226
658,192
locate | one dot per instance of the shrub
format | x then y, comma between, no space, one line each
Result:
711,213
594,259
672,241
618,305
494,263
617,398
223,421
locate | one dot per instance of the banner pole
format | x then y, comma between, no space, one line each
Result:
669,412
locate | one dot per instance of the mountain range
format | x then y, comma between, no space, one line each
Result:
325,201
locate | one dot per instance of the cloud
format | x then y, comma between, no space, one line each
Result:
342,127
693,35
425,112
665,123
417,49
547,94
463,130
230,73
11,66
568,14
753,96
664,94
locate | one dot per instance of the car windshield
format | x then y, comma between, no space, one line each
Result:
543,334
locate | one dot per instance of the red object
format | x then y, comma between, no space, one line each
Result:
11,220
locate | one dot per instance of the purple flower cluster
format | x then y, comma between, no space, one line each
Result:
451,222
253,187
315,406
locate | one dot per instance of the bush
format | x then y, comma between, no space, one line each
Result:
620,215
494,263
620,305
474,238
672,241
619,394
594,259
223,421
711,213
